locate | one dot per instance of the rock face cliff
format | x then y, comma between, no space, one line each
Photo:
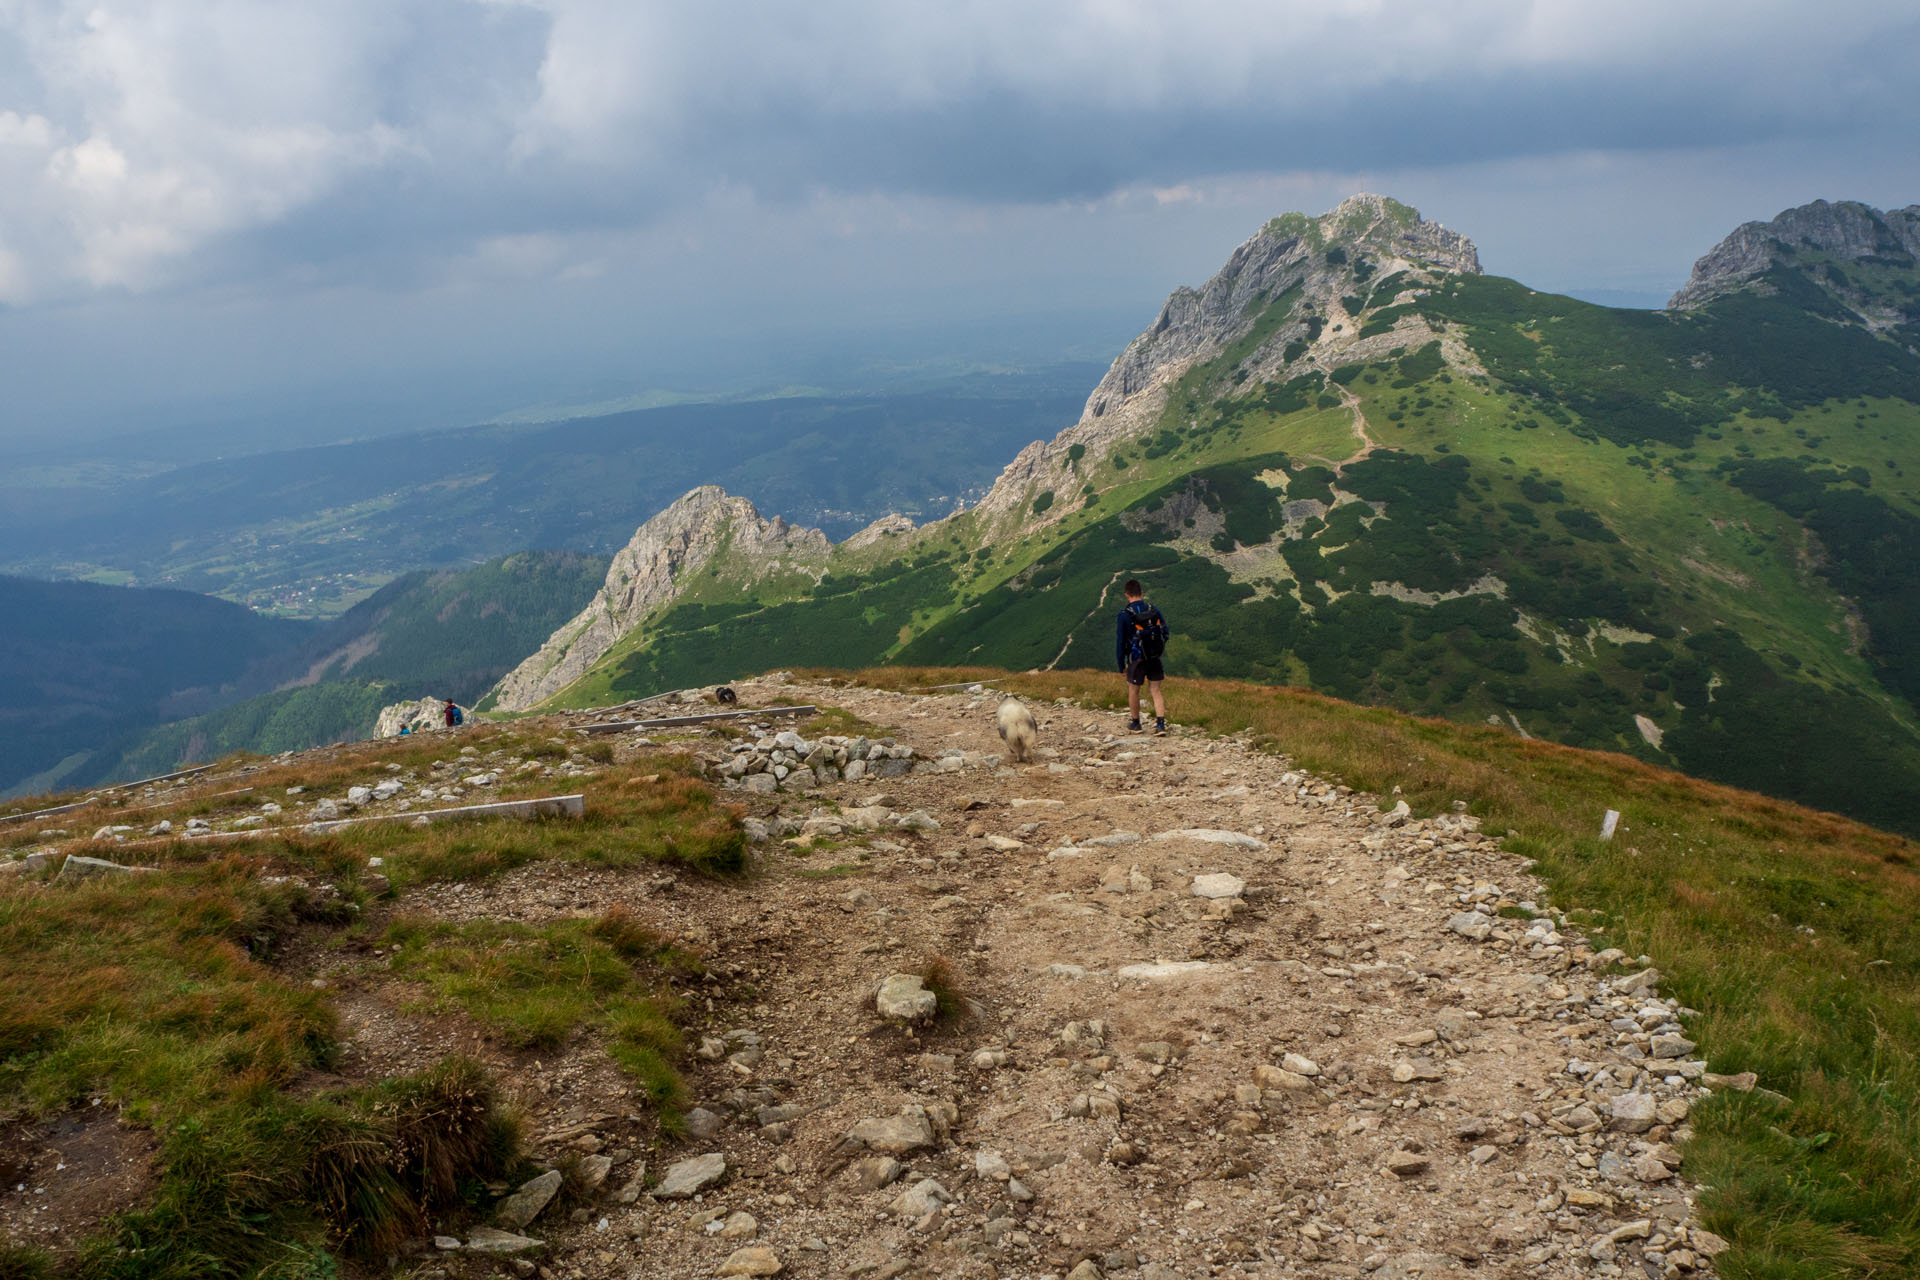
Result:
1313,267
1847,231
650,571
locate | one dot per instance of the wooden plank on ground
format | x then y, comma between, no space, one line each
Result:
99,797
573,806
675,722
44,813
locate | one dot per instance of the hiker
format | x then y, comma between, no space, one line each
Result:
1139,644
452,714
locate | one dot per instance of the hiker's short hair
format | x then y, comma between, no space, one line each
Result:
1133,587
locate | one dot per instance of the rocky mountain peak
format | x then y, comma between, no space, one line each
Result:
1313,266
1847,231
649,571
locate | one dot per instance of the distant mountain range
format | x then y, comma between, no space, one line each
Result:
1349,461
86,664
1352,461
310,531
117,682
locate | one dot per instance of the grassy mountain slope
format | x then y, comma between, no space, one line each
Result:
440,634
84,662
1684,535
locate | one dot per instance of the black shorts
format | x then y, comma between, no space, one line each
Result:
1142,670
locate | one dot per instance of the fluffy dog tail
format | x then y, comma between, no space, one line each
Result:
1018,729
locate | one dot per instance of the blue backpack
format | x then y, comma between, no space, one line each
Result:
1149,638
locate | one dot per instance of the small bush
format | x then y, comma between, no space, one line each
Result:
938,976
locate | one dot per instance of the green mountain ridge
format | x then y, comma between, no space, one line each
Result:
435,633
84,661
1351,461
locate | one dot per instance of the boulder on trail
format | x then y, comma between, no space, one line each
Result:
690,1176
904,996
1220,884
894,1135
80,867
526,1204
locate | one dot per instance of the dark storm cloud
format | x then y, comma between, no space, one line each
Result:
155,145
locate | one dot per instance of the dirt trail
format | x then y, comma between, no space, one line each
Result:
1111,583
1367,443
1152,1121
1340,1068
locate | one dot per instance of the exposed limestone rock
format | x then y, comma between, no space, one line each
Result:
754,1260
690,1176
80,867
1847,230
1196,325
493,1240
524,1205
416,717
902,996
881,530
646,574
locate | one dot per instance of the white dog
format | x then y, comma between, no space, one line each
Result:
1018,729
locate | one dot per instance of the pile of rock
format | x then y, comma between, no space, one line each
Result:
788,761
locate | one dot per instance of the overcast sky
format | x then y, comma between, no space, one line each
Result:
390,211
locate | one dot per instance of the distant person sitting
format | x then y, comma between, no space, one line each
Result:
453,714
1141,640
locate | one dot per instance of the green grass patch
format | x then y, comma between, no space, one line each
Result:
156,994
537,986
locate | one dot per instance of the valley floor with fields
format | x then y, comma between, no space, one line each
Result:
1199,1013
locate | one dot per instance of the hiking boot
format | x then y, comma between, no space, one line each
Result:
1160,724
1133,726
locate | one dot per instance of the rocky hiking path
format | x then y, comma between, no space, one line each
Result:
1215,1018
1203,1015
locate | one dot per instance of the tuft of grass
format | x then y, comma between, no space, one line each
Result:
539,986
1790,930
840,722
838,871
20,1263
390,1156
938,976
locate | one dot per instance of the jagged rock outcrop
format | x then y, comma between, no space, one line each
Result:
1847,230
885,529
1197,325
648,573
416,717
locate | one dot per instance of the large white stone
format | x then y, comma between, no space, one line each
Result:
691,1176
1165,971
904,996
1218,885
